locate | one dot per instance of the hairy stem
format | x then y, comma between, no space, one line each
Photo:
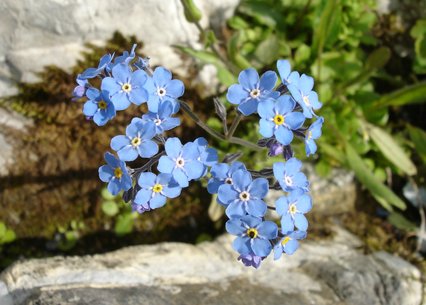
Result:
234,125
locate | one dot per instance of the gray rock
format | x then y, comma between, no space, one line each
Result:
324,272
34,34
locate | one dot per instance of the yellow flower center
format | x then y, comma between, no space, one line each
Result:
285,240
136,141
255,93
126,87
252,233
292,209
278,119
157,188
102,105
118,173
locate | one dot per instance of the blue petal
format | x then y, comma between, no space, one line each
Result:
93,93
285,104
165,165
251,221
300,222
266,109
236,166
153,103
227,194
118,142
121,73
111,160
128,153
266,128
304,204
190,151
114,187
139,78
194,170
213,186
292,166
268,80
220,170
294,120
175,88
282,205
283,135
306,83
248,107
261,247
310,148
173,147
287,223
235,227
170,123
180,177
162,76
90,108
143,196
235,209
278,169
268,230
105,173
278,251
291,246
248,78
138,96
259,188
236,94
172,191
241,180
284,69
120,100
157,201
256,208
242,245
313,99
147,180
147,149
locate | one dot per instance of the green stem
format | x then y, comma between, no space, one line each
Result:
185,107
234,125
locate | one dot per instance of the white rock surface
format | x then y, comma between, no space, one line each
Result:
325,272
38,33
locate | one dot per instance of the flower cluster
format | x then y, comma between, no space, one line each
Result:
283,111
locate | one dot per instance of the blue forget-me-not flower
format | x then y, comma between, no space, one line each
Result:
313,133
162,118
115,174
292,208
302,92
288,244
289,176
99,107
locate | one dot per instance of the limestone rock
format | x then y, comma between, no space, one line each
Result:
325,272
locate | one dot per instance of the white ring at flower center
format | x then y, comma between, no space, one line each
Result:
245,196
255,93
161,92
157,122
228,180
306,101
288,180
180,162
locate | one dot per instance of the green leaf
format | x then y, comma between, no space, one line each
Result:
302,54
418,136
226,77
2,229
191,11
110,208
203,56
238,23
413,94
267,51
124,224
378,59
401,222
322,31
234,51
8,237
391,150
381,192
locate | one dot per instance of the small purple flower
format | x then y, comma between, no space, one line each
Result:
253,235
302,92
161,86
289,176
288,244
279,120
284,69
99,107
125,86
155,190
181,161
222,174
313,133
250,260
162,118
115,173
291,209
137,141
139,208
79,90
244,195
250,92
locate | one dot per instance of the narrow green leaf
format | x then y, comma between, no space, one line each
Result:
401,222
322,30
378,58
367,178
413,94
203,56
418,137
391,150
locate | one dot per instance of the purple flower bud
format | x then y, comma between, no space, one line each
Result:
251,260
275,149
139,208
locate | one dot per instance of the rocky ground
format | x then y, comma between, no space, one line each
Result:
327,272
